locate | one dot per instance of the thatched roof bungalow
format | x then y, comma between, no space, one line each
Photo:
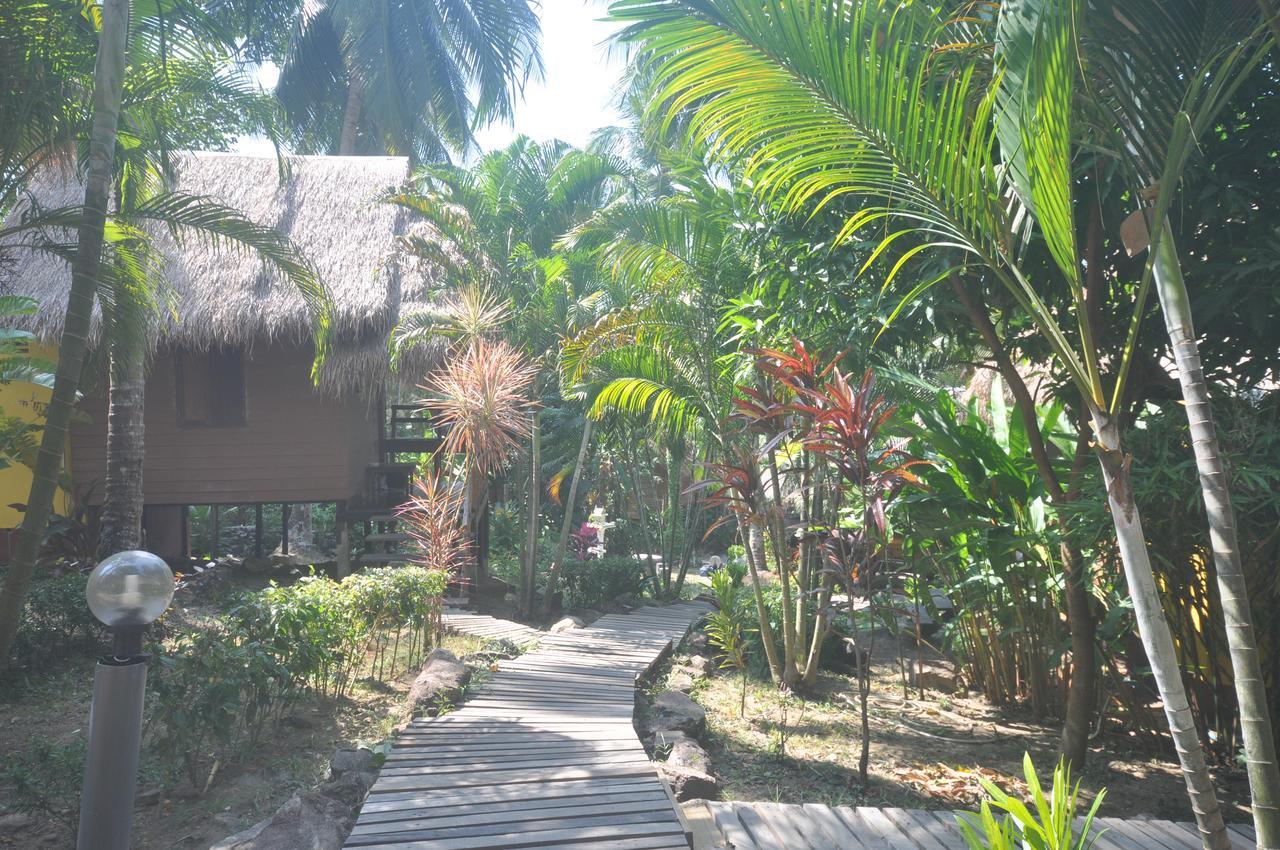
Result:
326,205
232,416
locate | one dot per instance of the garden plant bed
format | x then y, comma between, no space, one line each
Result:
925,753
292,754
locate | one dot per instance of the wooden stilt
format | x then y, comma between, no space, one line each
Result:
257,530
215,511
285,510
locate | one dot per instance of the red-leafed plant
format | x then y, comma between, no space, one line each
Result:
811,452
432,518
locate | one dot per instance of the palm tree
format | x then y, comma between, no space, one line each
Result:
671,263
412,79
499,222
107,87
1162,91
815,102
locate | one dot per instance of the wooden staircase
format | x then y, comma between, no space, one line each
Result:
389,482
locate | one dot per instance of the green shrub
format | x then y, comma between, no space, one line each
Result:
1048,824
588,583
46,780
217,690
55,622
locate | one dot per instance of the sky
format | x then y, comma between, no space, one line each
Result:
572,100
575,97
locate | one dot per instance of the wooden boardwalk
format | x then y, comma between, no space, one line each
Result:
490,628
543,754
774,826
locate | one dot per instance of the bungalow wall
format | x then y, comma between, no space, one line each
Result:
291,444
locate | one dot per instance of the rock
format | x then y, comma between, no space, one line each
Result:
672,710
442,680
698,643
688,784
308,821
349,788
934,678
588,616
625,600
701,667
668,739
680,680
297,722
347,760
565,624
146,797
15,822
689,754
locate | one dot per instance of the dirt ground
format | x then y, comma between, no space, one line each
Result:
925,753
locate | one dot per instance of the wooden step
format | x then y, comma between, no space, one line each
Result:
394,466
395,445
388,537
384,558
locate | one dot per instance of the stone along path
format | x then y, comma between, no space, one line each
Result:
543,754
774,826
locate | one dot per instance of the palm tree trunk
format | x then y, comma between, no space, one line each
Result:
123,496
1251,692
1156,638
553,574
351,117
107,87
535,497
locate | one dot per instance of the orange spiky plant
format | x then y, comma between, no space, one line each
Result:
433,520
481,402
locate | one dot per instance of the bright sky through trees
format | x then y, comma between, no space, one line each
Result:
575,96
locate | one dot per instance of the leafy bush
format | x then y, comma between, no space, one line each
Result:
46,780
55,621
584,584
216,690
729,625
588,583
1051,826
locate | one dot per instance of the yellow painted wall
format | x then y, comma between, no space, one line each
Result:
27,402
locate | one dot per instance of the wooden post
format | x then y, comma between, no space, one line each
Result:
217,529
257,530
344,548
284,528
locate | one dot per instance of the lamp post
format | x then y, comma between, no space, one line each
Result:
127,592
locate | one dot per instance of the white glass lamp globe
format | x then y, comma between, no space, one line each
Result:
130,589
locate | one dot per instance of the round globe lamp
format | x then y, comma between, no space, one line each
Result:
127,592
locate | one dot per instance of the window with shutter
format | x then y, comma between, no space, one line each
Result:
210,389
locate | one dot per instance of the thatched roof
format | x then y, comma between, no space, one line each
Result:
221,295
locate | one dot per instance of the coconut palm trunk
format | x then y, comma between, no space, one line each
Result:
123,495
1154,631
1251,692
529,589
553,575
108,85
351,117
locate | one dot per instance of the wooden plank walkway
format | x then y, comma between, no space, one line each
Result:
775,826
543,754
491,628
